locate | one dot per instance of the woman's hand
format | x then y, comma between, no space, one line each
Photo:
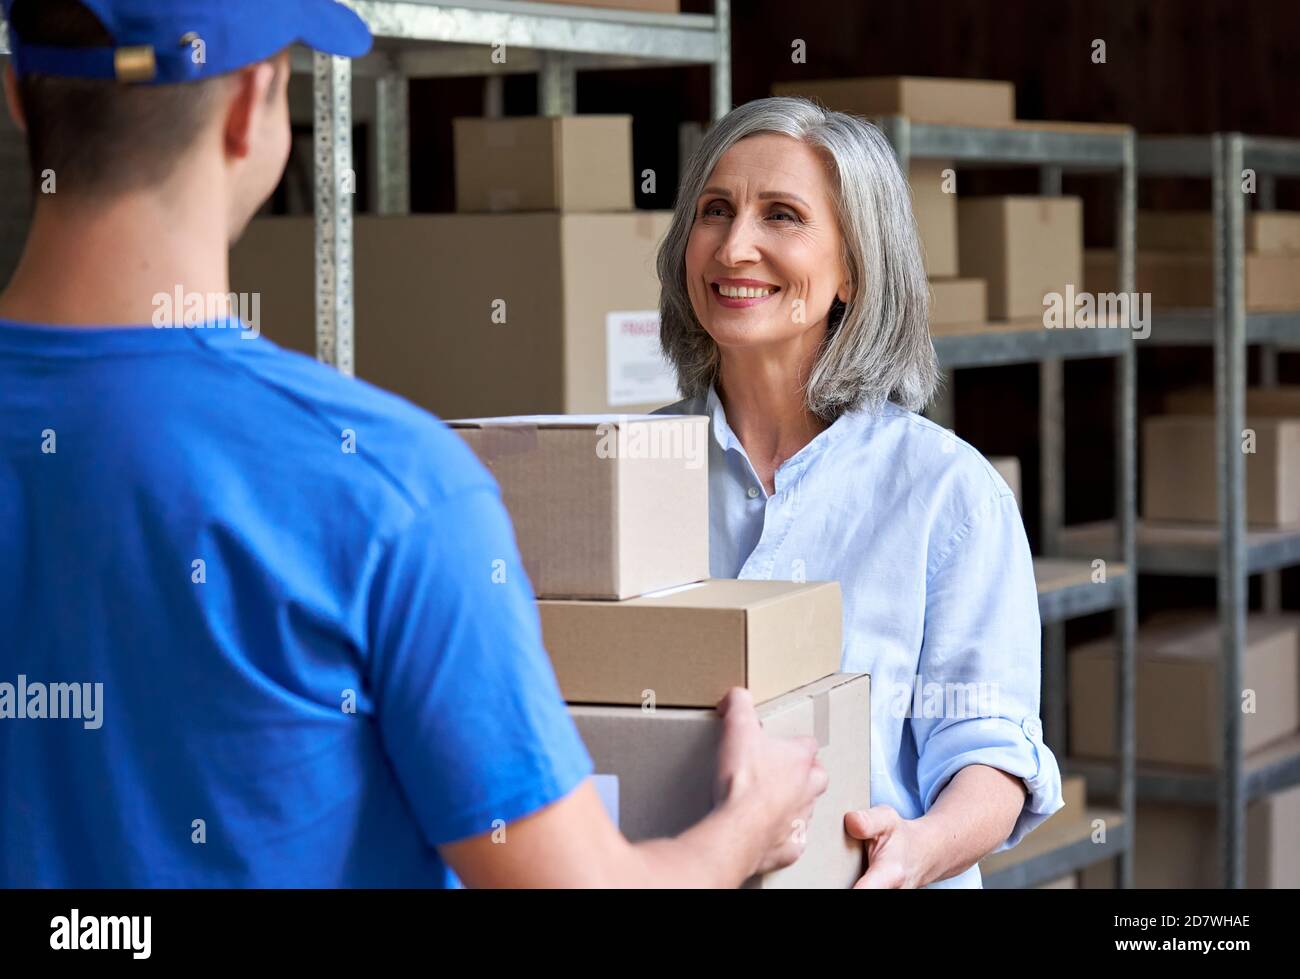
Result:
972,816
898,850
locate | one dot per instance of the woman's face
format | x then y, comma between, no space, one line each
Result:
764,258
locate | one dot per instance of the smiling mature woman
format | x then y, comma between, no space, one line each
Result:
794,308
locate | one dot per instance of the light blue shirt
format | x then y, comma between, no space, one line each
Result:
940,603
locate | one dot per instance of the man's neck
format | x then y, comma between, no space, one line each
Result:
104,263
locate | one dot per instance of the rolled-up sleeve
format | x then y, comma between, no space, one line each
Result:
980,665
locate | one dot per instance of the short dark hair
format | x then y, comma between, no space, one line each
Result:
101,136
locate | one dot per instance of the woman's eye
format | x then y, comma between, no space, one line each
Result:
788,215
714,210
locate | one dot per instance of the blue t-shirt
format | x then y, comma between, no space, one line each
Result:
279,613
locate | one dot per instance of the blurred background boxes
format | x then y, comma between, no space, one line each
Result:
1178,700
544,163
1282,401
475,315
1179,279
1178,469
958,301
957,101
1193,231
935,207
687,646
602,508
656,770
1023,247
1175,846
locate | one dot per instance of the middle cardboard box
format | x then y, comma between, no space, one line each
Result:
685,647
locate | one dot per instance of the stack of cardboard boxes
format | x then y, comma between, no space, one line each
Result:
540,295
1175,261
611,518
990,258
1178,706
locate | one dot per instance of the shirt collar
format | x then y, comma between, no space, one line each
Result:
727,439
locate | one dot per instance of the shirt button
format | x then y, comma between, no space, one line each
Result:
753,492
1033,728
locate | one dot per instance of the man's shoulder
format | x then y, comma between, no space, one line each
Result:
397,442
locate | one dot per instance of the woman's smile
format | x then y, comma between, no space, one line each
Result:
739,293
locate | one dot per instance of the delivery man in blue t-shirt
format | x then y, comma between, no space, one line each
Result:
254,629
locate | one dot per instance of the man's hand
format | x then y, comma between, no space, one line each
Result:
777,780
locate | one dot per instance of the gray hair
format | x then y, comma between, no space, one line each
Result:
878,346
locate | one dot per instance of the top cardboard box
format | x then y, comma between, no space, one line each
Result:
951,101
544,163
604,506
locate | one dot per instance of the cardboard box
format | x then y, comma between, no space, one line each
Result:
1193,231
1282,401
936,217
1178,703
686,647
1182,280
1023,247
953,101
958,301
1008,467
1177,846
471,315
544,163
1179,473
656,770
603,506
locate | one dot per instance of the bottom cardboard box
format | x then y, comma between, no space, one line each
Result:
958,301
1177,846
655,770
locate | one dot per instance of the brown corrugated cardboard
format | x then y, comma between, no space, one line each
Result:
934,202
1023,247
955,101
1179,467
958,301
656,770
603,506
687,646
544,163
1177,846
1008,468
1178,703
1179,280
473,315
1282,401
1193,231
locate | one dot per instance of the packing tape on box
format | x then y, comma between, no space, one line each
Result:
498,441
822,718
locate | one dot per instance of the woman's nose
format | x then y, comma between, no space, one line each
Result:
739,247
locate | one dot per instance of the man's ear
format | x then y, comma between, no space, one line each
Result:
251,88
12,100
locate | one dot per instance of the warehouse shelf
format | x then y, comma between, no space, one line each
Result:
1051,851
1023,342
1066,588
488,38
1228,550
1184,549
1270,769
1195,328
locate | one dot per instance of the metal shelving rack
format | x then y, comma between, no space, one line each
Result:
489,38
1066,589
1228,551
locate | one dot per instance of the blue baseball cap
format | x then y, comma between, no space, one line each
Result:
161,42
